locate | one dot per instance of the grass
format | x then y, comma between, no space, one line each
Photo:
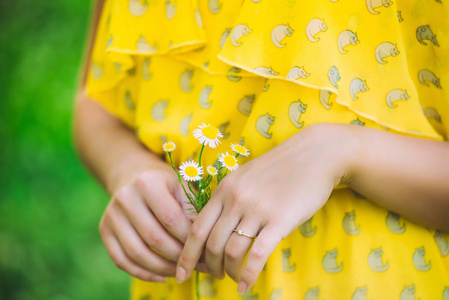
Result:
50,207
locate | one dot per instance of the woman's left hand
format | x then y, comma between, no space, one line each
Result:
268,197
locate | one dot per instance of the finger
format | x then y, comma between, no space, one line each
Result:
149,228
199,232
262,248
166,209
136,249
238,246
122,262
216,243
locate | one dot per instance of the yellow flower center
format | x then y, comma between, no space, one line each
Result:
212,170
191,171
169,147
210,132
240,149
229,161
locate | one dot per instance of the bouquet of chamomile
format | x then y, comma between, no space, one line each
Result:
199,191
193,172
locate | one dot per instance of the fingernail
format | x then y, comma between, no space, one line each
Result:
158,278
242,287
180,274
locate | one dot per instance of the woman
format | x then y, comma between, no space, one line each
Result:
290,81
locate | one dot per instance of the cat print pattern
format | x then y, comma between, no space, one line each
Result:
372,5
312,294
145,69
137,7
261,72
314,27
238,32
385,50
419,260
375,260
360,293
346,38
263,125
330,263
296,73
295,110
170,8
279,33
144,47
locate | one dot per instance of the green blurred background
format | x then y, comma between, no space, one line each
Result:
50,207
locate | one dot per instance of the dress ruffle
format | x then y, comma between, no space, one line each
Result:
261,71
374,75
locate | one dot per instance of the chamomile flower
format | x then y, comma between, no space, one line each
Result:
229,161
208,134
240,149
169,147
212,170
190,171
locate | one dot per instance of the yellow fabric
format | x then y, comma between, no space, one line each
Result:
262,70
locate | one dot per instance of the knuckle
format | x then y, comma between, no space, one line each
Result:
122,197
249,275
213,248
232,253
135,253
184,261
197,232
226,184
240,196
119,263
155,238
258,253
141,180
170,218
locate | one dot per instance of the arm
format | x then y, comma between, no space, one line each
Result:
405,174
144,225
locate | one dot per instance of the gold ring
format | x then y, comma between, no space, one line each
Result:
239,232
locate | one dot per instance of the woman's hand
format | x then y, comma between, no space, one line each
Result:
145,223
269,196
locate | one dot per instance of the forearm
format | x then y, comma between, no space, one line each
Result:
404,174
108,148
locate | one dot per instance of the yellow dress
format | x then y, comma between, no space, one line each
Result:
262,70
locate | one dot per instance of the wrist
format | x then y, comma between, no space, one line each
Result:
128,166
354,153
344,147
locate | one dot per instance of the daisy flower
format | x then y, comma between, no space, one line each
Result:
169,147
229,161
212,171
208,134
190,171
240,149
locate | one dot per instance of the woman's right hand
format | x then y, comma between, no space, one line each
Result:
146,223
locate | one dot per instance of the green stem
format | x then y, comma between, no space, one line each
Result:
190,198
223,176
200,186
180,182
190,188
208,181
173,165
201,154
197,285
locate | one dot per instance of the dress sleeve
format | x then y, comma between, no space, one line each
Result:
128,34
